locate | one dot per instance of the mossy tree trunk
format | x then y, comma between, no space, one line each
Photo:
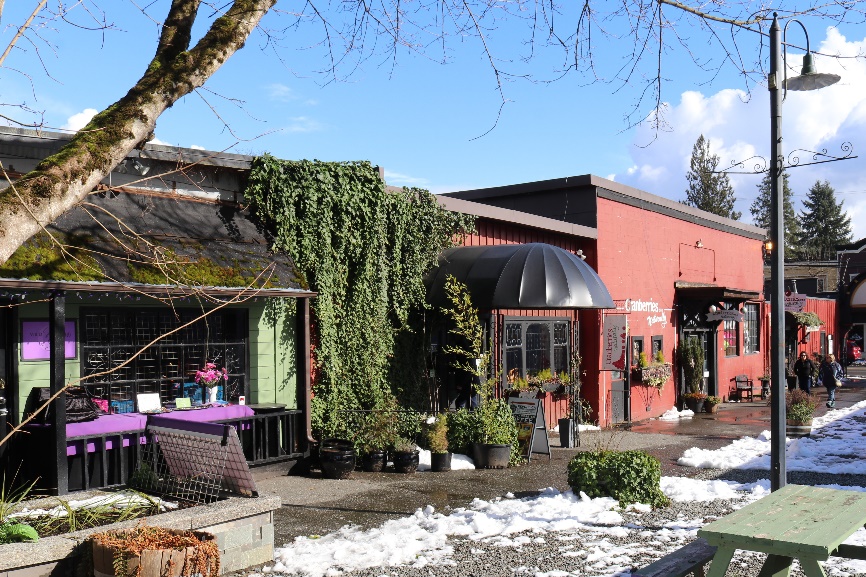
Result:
61,181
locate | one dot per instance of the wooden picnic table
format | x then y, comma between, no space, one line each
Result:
796,522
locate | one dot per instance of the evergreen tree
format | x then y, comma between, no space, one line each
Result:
761,211
824,223
709,190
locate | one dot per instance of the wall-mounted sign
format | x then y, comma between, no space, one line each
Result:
613,345
794,302
725,315
36,340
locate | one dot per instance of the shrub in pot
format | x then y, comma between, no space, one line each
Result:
437,442
628,476
799,411
691,355
378,432
405,456
711,403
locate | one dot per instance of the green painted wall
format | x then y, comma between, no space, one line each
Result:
272,367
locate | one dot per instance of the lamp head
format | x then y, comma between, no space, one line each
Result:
810,78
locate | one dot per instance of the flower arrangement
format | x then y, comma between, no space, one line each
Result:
210,376
713,399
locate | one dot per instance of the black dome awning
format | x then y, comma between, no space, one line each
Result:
519,276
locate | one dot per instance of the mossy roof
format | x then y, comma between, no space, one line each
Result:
205,243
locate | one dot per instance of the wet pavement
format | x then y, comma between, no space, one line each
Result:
315,506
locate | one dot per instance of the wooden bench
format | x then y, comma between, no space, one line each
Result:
744,387
682,562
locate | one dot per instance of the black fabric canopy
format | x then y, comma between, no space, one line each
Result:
519,276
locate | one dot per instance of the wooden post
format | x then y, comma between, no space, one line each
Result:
304,365
57,328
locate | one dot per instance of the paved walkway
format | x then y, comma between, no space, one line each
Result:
315,506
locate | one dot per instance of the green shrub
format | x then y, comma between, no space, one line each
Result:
437,434
628,476
463,427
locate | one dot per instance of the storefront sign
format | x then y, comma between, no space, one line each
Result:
726,315
657,316
794,302
613,347
531,426
36,340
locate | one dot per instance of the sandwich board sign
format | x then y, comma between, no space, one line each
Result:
529,416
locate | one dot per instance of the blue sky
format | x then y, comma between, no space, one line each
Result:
429,124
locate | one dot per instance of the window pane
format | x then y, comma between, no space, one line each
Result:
750,329
731,335
537,348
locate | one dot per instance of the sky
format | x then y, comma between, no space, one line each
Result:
444,126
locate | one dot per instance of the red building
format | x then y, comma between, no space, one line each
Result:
673,271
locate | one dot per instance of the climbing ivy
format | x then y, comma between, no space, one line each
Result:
364,249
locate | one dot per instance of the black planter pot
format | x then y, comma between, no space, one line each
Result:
696,405
491,456
405,461
440,462
337,458
373,461
566,433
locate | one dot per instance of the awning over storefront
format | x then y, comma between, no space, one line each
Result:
519,276
806,319
709,292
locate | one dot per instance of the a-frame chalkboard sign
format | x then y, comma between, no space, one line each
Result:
531,426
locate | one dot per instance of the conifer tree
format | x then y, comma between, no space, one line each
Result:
761,210
824,223
709,190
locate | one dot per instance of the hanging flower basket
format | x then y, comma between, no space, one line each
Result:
655,375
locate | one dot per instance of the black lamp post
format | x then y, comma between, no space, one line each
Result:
808,80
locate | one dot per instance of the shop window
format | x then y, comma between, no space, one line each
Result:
751,329
731,335
532,346
657,345
636,350
111,337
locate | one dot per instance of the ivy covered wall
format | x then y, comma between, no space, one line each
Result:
364,250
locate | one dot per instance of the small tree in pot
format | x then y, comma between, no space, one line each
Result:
437,441
799,410
692,363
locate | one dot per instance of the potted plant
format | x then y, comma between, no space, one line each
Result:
692,363
654,374
146,551
799,410
405,455
378,431
711,403
764,379
337,458
437,441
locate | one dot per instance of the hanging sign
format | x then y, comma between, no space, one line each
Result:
726,315
36,340
613,345
529,416
794,302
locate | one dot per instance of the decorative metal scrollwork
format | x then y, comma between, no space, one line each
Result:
761,164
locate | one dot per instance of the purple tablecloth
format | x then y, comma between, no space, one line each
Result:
133,422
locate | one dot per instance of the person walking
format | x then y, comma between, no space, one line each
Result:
804,368
829,374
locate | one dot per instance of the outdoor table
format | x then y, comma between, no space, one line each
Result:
796,522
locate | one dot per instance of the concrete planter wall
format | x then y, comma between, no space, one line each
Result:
244,530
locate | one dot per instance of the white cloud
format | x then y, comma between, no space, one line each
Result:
280,92
398,179
196,147
737,125
303,124
155,140
79,120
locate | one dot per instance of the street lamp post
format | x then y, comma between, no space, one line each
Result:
808,80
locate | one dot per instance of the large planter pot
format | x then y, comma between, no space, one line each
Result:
337,458
490,456
373,461
566,433
115,553
711,408
695,405
440,462
405,461
796,429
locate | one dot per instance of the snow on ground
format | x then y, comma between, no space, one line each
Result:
120,500
836,446
422,539
673,414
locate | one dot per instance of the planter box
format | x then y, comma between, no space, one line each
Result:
664,371
243,527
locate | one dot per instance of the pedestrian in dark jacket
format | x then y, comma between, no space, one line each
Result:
830,373
804,368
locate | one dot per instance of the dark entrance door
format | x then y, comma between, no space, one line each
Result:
707,339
